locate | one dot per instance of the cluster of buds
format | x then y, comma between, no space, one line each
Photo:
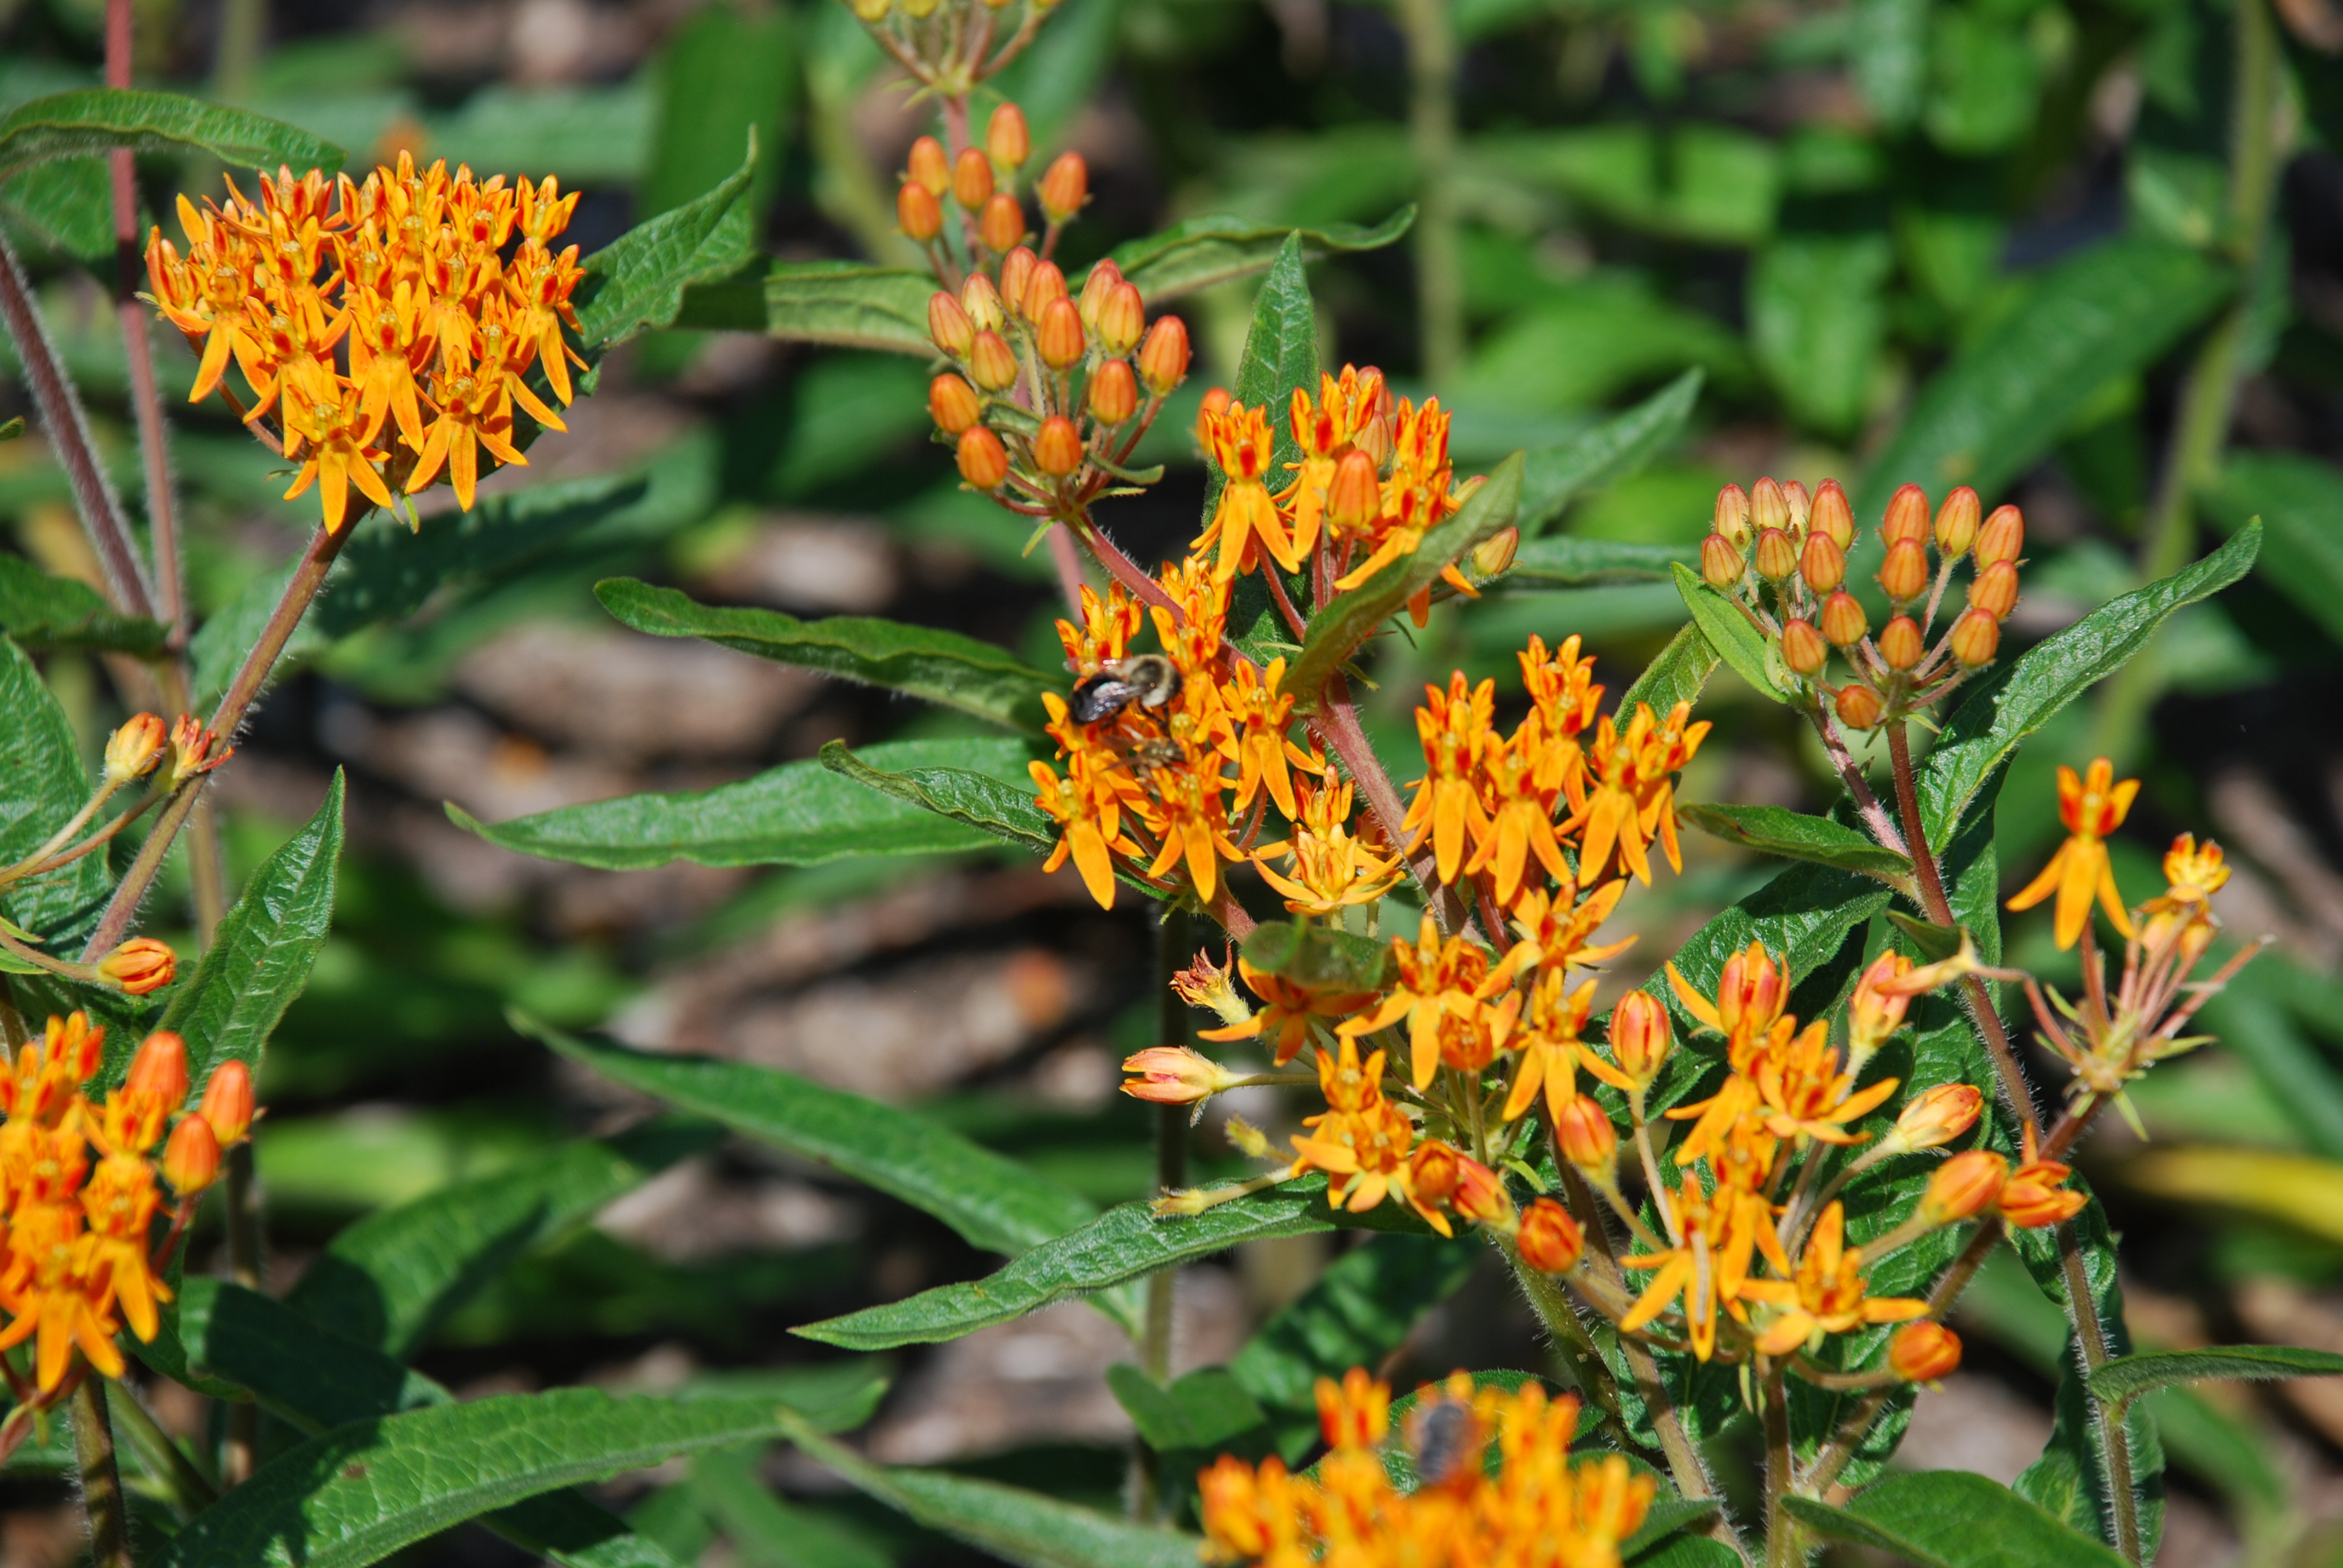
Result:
350,307
1049,391
948,46
1782,556
81,1259
979,186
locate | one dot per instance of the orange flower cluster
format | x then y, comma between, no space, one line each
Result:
80,1258
408,276
1539,1511
1782,557
2092,807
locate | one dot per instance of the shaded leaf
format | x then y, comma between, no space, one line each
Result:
767,1531
1677,675
1553,476
37,610
2299,501
1952,1519
1774,830
1319,958
638,280
1206,1409
1204,251
940,667
849,304
1004,811
2128,1377
1729,632
1573,562
98,119
46,785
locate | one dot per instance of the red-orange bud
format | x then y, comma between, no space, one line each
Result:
972,184
191,1159
1006,138
1639,1036
1113,394
1017,277
1844,624
138,966
1907,516
2001,538
1043,288
990,361
1058,447
1001,226
1587,1138
1900,644
948,325
1924,1351
1720,563
227,1102
1963,1186
1859,707
159,1071
1905,573
1802,648
1480,1193
1830,517
983,460
1731,518
927,167
1939,1116
1059,337
132,750
1215,404
1776,557
917,212
1976,638
1355,496
1550,1239
1164,357
1065,187
1995,590
1768,507
952,402
1822,563
1122,319
1956,523
981,301
1096,284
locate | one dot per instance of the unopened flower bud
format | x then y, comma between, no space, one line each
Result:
1859,707
1208,413
1550,1240
990,361
1937,1117
1044,288
1494,554
1480,1193
1016,278
1956,523
1175,1075
1355,496
192,753
1768,508
953,403
1776,557
1205,984
1731,518
1802,648
1801,505
1830,517
948,325
1822,563
1877,1009
1639,1036
1720,562
1065,187
1924,1351
1164,357
1843,622
1900,644
1058,446
158,1070
983,460
1977,636
1096,284
1433,1172
1750,991
981,302
2035,1195
227,1102
917,212
1995,590
927,166
972,184
1058,336
1122,319
135,749
1001,226
1905,573
1006,137
138,966
2001,538
1113,394
191,1159
1963,1186
1588,1140
1907,516
873,10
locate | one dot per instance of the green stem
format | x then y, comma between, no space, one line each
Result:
1431,137
101,1478
191,1490
1552,1304
2115,1438
1781,1531
1175,938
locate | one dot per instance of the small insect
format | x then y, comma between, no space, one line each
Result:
1445,1435
1149,680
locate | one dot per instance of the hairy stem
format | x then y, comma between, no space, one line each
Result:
1175,941
1552,1304
101,1478
1781,1531
146,399
191,1490
2114,1438
1432,139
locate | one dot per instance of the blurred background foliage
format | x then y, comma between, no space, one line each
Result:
2035,245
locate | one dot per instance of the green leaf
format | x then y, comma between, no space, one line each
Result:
1204,251
638,280
940,667
1951,1519
767,1532
1280,354
1669,1516
721,71
356,1493
1817,320
46,785
1804,913
2030,692
993,1202
2128,1377
849,304
1933,943
2008,395
1004,811
1127,1242
798,814
390,1280
1318,958
1206,1409
2299,501
1336,632
99,119
1773,830
1553,476
1677,675
38,610
1569,561
1729,632
260,957
1889,43
1020,1527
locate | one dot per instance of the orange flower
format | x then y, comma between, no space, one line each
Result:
1289,1008
1554,930
1549,1046
1825,1296
2034,1196
1239,443
1633,804
1361,1140
2092,807
1085,835
1716,1237
1454,729
1437,980
1521,780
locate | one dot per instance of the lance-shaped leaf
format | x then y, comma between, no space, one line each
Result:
993,1202
2298,498
2128,1377
1794,835
1951,1519
260,957
1016,1526
637,281
356,1493
1317,958
1677,675
1730,633
2036,686
1553,476
798,814
46,785
1004,811
391,1279
845,303
98,119
1336,632
1804,914
38,610
943,667
2007,397
1127,1242
1280,355
1204,251
1566,560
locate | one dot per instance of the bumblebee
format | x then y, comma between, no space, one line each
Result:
1446,1437
1149,680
